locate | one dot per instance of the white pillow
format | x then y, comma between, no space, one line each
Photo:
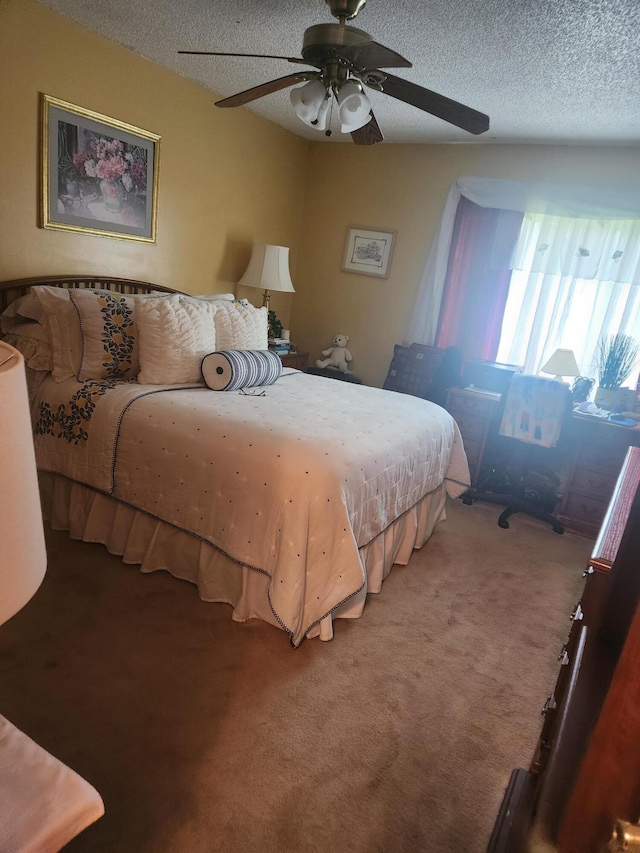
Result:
62,323
32,340
25,307
241,326
174,336
212,297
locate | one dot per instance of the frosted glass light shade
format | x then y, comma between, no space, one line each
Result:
308,101
23,558
562,363
355,106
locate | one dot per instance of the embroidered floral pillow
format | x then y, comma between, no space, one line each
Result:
109,334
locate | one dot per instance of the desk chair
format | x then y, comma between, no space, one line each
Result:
533,414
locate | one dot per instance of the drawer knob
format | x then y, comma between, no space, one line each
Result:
549,705
625,836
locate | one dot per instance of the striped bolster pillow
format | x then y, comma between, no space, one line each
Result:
229,370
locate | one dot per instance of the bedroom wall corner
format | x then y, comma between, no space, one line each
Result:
227,177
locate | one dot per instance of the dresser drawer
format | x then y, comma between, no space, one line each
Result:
598,484
589,510
570,659
466,401
604,456
469,424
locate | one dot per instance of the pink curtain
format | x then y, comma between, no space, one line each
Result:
477,282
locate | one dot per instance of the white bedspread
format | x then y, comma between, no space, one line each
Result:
290,483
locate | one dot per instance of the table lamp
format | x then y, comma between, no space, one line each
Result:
44,804
268,269
562,363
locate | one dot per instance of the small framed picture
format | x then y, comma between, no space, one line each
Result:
99,175
368,252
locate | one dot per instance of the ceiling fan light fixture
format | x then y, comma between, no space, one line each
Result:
308,101
323,114
355,106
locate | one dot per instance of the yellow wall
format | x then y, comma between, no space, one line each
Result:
227,177
403,188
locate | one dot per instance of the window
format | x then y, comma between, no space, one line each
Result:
573,282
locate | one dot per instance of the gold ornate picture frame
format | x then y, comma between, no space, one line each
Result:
368,252
99,174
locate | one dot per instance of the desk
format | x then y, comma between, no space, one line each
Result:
477,415
598,451
592,454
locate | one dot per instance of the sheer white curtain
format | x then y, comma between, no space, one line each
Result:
574,281
562,200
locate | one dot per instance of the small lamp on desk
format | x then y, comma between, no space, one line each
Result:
562,363
269,270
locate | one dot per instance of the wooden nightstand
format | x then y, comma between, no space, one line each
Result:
299,360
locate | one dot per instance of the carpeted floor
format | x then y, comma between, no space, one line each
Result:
206,735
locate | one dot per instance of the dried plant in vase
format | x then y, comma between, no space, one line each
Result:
616,358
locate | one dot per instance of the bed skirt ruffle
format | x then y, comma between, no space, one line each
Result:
152,544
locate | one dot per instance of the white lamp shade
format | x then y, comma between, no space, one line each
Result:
23,558
562,363
308,100
355,106
268,269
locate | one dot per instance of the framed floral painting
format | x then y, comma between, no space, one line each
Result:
99,175
368,252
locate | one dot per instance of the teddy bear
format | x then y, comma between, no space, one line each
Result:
337,356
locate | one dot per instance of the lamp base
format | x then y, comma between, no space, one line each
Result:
266,299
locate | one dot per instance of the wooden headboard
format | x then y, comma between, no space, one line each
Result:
12,290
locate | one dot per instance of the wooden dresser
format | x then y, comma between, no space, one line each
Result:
586,767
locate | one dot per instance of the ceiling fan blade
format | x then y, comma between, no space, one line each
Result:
437,105
370,134
373,55
252,55
265,89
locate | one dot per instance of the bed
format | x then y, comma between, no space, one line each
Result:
290,501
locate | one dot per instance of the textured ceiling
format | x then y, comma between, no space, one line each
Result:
545,71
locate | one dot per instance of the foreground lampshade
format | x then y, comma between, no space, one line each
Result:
562,363
268,269
23,558
355,106
311,103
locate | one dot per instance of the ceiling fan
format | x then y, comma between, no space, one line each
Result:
347,60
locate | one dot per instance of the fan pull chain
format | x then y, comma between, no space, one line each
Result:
328,130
